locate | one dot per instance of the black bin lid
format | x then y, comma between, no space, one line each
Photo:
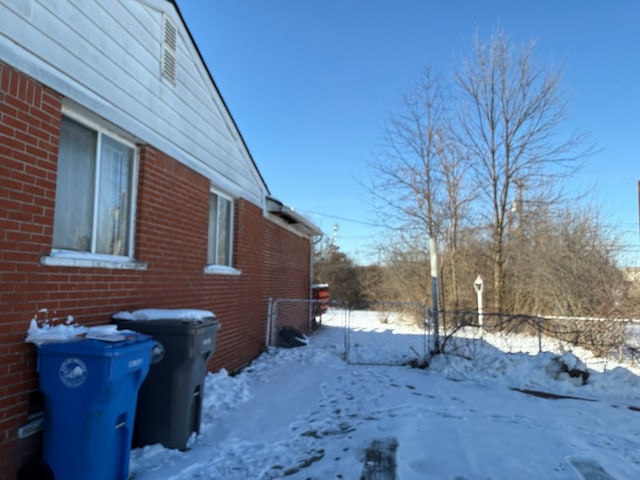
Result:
173,321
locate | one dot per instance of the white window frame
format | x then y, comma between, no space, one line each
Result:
63,257
217,268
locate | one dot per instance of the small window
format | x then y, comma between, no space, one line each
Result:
94,192
220,230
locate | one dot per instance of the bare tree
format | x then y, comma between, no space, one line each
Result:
574,271
407,179
335,268
455,205
510,122
487,183
419,176
406,274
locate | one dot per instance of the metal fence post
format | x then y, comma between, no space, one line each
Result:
427,326
347,333
539,325
269,322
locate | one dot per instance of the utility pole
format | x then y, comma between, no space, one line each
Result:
335,234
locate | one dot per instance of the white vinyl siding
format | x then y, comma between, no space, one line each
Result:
107,55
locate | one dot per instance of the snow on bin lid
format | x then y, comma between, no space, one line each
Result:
165,314
109,333
72,333
54,333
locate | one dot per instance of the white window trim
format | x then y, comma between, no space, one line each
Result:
214,268
71,258
65,258
221,270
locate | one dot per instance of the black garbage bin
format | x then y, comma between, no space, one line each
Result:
170,399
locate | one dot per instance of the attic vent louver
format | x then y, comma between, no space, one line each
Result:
169,47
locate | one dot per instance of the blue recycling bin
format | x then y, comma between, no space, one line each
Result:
90,389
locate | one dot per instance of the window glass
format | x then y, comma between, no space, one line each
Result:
220,230
94,192
213,229
73,218
114,198
224,232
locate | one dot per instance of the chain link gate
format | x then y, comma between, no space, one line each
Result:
300,314
375,333
387,333
398,333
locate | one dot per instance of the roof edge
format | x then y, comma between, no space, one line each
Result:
215,86
293,218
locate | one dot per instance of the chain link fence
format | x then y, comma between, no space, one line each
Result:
400,333
605,338
375,333
285,314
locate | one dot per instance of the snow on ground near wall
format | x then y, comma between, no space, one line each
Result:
305,413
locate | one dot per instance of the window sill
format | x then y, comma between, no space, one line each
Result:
91,261
221,270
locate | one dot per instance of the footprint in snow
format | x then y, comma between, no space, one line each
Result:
589,469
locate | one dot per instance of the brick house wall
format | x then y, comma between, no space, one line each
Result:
171,238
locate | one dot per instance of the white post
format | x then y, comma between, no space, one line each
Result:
434,293
478,285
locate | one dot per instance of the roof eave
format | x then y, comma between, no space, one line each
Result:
292,218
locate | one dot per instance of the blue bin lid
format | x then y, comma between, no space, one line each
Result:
89,346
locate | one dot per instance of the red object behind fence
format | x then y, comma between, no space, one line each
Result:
320,292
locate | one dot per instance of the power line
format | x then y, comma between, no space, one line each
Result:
340,218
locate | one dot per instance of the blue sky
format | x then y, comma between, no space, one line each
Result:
310,84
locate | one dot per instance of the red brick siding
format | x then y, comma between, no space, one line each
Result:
29,126
171,237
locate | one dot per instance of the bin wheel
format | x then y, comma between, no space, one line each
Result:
157,353
37,470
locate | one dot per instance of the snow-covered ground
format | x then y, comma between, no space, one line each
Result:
305,413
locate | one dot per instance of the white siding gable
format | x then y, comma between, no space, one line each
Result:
107,56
